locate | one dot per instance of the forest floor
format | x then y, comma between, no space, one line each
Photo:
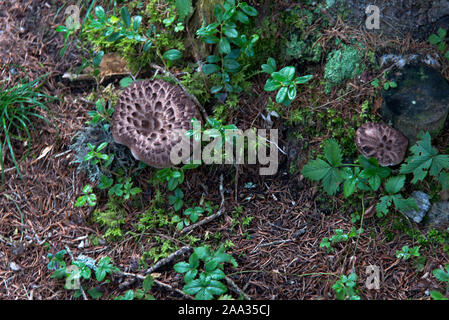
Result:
278,252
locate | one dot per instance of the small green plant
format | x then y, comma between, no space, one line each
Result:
176,199
367,175
345,287
140,294
95,156
439,39
80,269
339,236
101,113
203,279
406,253
191,215
123,188
387,84
88,197
425,160
443,276
18,106
231,44
283,80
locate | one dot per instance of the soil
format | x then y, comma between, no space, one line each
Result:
278,254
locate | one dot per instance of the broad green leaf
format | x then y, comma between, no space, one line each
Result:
126,18
272,85
281,95
172,55
288,72
210,68
441,275
332,152
395,184
224,46
316,170
434,39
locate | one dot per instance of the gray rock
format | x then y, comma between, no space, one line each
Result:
420,101
419,18
423,202
438,216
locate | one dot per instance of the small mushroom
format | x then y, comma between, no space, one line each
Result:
148,118
380,141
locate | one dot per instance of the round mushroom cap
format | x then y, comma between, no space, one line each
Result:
150,118
380,141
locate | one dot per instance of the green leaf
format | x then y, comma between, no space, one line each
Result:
147,283
224,46
95,293
404,205
332,152
126,82
147,46
442,33
210,68
281,95
249,10
97,59
394,184
383,205
126,18
292,92
243,18
136,23
303,79
424,157
231,65
434,39
441,275
272,85
172,55
99,12
268,69
230,32
436,295
288,73
316,170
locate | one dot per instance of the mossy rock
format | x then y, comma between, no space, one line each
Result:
420,101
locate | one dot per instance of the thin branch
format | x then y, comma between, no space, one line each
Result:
169,259
236,289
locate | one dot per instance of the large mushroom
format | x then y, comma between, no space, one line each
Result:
380,141
148,118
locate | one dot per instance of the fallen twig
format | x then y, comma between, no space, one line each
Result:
159,283
169,259
236,289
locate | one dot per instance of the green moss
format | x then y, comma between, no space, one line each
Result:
342,64
111,219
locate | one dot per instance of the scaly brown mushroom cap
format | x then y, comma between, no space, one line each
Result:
146,116
380,141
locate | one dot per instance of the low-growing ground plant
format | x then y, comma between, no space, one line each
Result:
443,276
345,287
203,272
20,105
284,80
80,270
231,43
